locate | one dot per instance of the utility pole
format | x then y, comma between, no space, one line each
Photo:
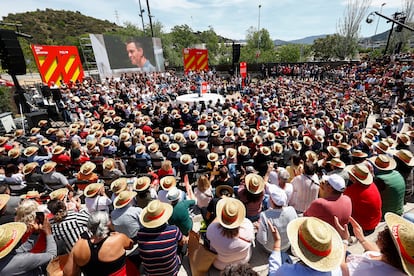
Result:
141,11
150,18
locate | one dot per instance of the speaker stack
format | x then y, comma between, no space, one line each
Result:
11,53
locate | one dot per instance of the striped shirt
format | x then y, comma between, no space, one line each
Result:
158,249
69,230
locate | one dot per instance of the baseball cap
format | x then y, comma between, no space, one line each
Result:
278,195
336,181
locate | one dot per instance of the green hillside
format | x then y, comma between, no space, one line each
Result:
58,26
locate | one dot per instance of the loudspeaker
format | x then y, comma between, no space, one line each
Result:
45,91
11,53
33,118
236,53
56,95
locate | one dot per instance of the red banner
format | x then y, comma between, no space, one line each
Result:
58,63
243,69
195,59
203,87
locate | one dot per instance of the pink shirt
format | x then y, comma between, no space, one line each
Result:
326,208
305,190
231,251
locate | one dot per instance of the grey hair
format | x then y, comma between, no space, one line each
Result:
98,224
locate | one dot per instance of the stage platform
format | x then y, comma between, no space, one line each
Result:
194,98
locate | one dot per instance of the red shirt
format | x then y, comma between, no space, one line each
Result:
366,204
326,208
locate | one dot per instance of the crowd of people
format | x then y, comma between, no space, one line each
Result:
296,164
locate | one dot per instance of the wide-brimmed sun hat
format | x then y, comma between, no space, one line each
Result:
220,188
316,243
202,145
338,163
142,183
333,151
254,183
173,194
405,156
4,198
231,153
10,235
230,212
59,194
174,147
212,157
155,214
14,153
58,150
119,185
29,151
361,173
123,198
185,159
87,168
92,189
109,164
402,233
48,167
167,182
266,151
383,162
243,150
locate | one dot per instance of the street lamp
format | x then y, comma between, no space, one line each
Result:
376,27
259,35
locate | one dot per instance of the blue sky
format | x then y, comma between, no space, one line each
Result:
284,19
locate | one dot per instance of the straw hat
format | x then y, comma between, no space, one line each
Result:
3,140
119,185
167,182
4,198
316,243
319,138
230,212
48,167
110,131
192,136
155,214
344,146
14,153
212,157
404,139
173,194
265,150
254,183
168,130
311,156
91,144
202,145
243,150
124,136
277,148
333,151
58,150
164,138
29,151
258,140
338,136
202,128
174,147
109,164
10,235
231,153
140,149
30,195
59,194
338,163
106,142
224,187
402,233
142,183
153,148
361,173
185,159
149,140
383,162
359,154
29,167
381,146
45,142
123,199
307,141
405,156
296,145
34,130
92,189
87,168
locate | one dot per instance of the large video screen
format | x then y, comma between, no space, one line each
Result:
116,54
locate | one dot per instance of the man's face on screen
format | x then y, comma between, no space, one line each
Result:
135,55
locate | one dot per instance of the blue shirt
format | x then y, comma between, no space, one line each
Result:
126,220
277,268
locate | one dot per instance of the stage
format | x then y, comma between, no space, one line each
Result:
194,98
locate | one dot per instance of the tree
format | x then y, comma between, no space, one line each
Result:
289,53
325,48
349,26
257,41
211,40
